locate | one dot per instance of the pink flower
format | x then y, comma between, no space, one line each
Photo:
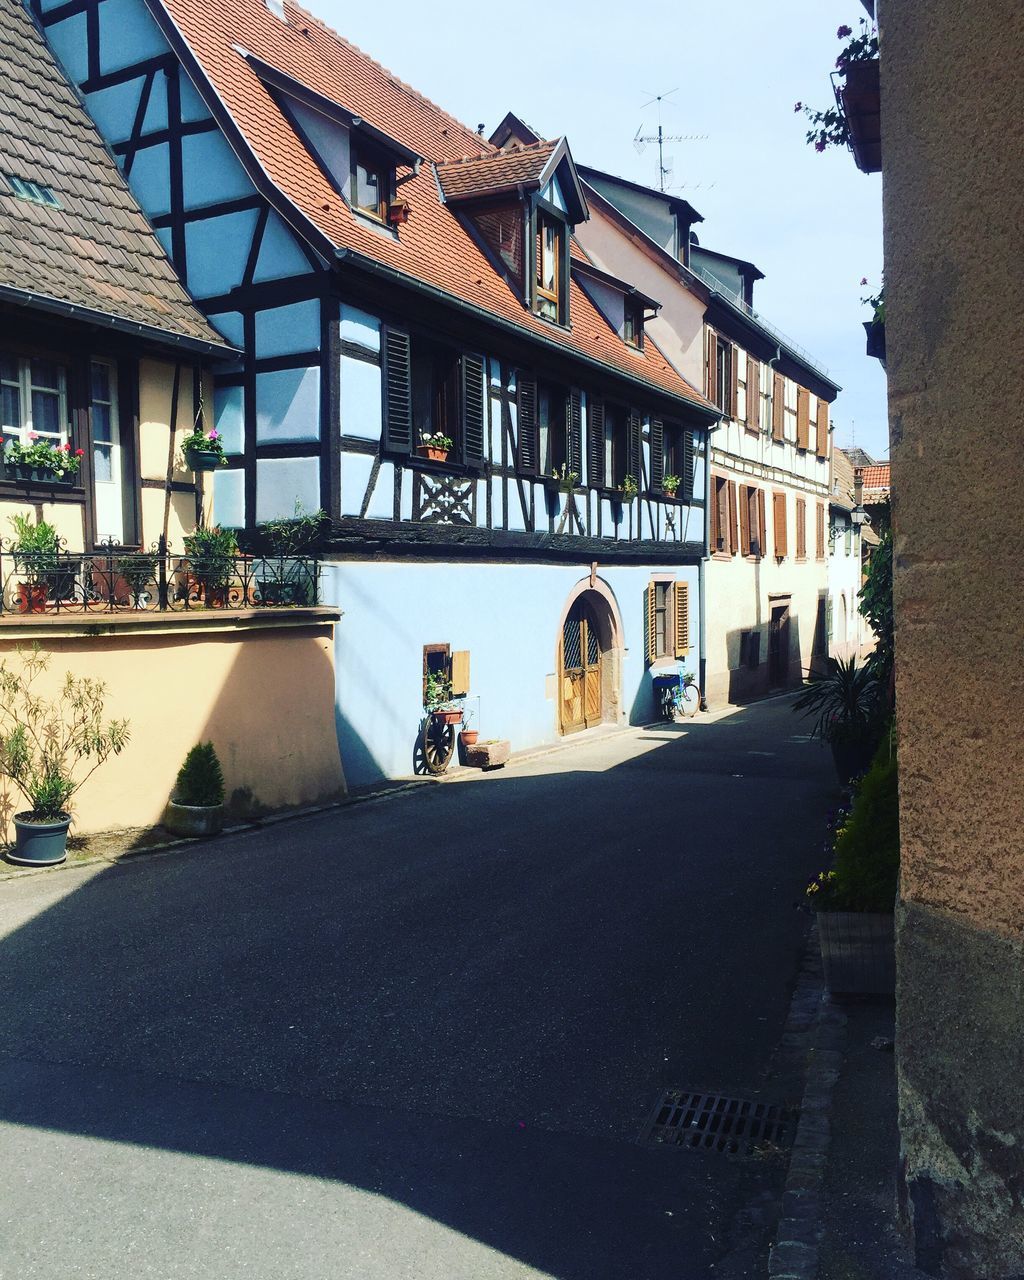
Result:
67,447
820,145
32,435
863,279
798,106
843,32
212,436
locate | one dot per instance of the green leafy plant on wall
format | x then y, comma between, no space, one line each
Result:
875,603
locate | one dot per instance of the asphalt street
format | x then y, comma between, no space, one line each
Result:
417,1037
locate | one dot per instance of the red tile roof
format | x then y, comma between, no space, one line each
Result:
490,172
433,246
876,477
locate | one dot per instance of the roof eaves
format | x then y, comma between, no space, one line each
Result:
373,267
107,320
584,267
674,202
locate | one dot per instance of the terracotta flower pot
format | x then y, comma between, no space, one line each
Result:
431,453
469,737
31,597
448,717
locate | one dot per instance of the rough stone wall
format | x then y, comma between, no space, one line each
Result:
953,142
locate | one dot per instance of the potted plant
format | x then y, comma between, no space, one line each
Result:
562,479
855,120
848,703
138,571
289,574
438,699
49,747
875,327
36,562
670,486
42,462
211,563
203,450
468,737
196,806
434,445
628,490
855,899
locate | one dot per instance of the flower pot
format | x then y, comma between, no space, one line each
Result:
875,330
469,737
858,952
23,474
670,493
852,756
193,820
39,843
431,453
861,99
448,717
202,459
31,597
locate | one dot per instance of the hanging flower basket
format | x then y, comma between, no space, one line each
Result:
202,459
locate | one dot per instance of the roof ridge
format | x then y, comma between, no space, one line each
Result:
499,154
397,81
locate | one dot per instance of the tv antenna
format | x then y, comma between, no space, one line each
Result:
642,140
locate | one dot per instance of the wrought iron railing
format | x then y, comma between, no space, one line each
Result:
37,583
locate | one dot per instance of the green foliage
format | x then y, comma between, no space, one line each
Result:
61,460
138,570
438,691
295,535
846,700
629,488
875,603
865,876
43,741
211,553
200,441
36,547
200,782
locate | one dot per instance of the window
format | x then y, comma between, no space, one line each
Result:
621,444
667,610
752,520
435,392
34,191
33,400
679,458
105,463
633,326
428,388
370,184
848,539
779,525
750,649
723,516
722,370
822,626
549,267
552,427
801,529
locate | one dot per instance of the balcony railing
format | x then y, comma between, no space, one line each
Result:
113,580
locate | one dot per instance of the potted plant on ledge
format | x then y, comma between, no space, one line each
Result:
211,565
36,561
40,462
43,744
628,490
875,327
438,699
196,806
670,486
848,703
855,899
434,445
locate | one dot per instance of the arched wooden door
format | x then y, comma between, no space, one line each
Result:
580,682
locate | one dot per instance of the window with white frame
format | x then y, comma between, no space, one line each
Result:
103,404
33,399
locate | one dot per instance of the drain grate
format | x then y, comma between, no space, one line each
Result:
711,1122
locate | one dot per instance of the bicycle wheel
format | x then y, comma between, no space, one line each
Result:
689,700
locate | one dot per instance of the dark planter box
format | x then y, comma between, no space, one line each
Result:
858,952
202,459
875,330
39,476
861,101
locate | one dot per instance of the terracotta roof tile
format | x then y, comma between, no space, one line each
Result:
433,246
96,251
490,172
876,477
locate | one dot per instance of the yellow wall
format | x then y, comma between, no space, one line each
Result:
264,697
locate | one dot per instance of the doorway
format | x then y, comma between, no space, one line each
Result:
581,698
778,645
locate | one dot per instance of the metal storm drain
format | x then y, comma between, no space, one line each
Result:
710,1122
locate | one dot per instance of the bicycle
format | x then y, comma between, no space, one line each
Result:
680,696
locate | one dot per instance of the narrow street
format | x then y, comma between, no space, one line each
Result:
415,1038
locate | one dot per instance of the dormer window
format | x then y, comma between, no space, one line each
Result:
550,276
372,180
633,325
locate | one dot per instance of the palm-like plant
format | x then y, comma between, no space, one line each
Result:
846,700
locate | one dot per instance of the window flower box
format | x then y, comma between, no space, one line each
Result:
860,97
875,331
22,473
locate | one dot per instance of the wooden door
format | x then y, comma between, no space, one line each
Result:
581,671
778,645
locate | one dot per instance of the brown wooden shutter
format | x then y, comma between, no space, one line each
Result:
657,455
822,428
711,368
819,533
714,532
595,443
762,531
745,492
734,381
460,673
778,407
527,440
574,433
474,416
733,538
801,529
633,447
397,391
779,524
686,479
803,418
681,600
650,628
753,394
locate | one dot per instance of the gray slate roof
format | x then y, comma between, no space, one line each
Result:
97,251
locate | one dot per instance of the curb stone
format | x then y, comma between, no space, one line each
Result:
794,1255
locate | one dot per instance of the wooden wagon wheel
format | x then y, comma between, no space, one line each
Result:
438,742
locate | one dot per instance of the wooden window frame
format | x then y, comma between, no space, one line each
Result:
377,162
780,546
778,408
801,529
545,214
752,521
821,519
633,325
723,495
803,418
752,385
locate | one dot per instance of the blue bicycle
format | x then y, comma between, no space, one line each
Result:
679,696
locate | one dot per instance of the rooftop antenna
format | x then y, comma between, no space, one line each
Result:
642,140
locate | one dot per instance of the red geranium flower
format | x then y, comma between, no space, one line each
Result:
79,453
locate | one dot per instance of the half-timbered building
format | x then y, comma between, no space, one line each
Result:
389,275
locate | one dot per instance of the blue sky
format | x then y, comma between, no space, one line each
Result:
812,223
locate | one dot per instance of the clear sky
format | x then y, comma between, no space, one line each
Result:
812,223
